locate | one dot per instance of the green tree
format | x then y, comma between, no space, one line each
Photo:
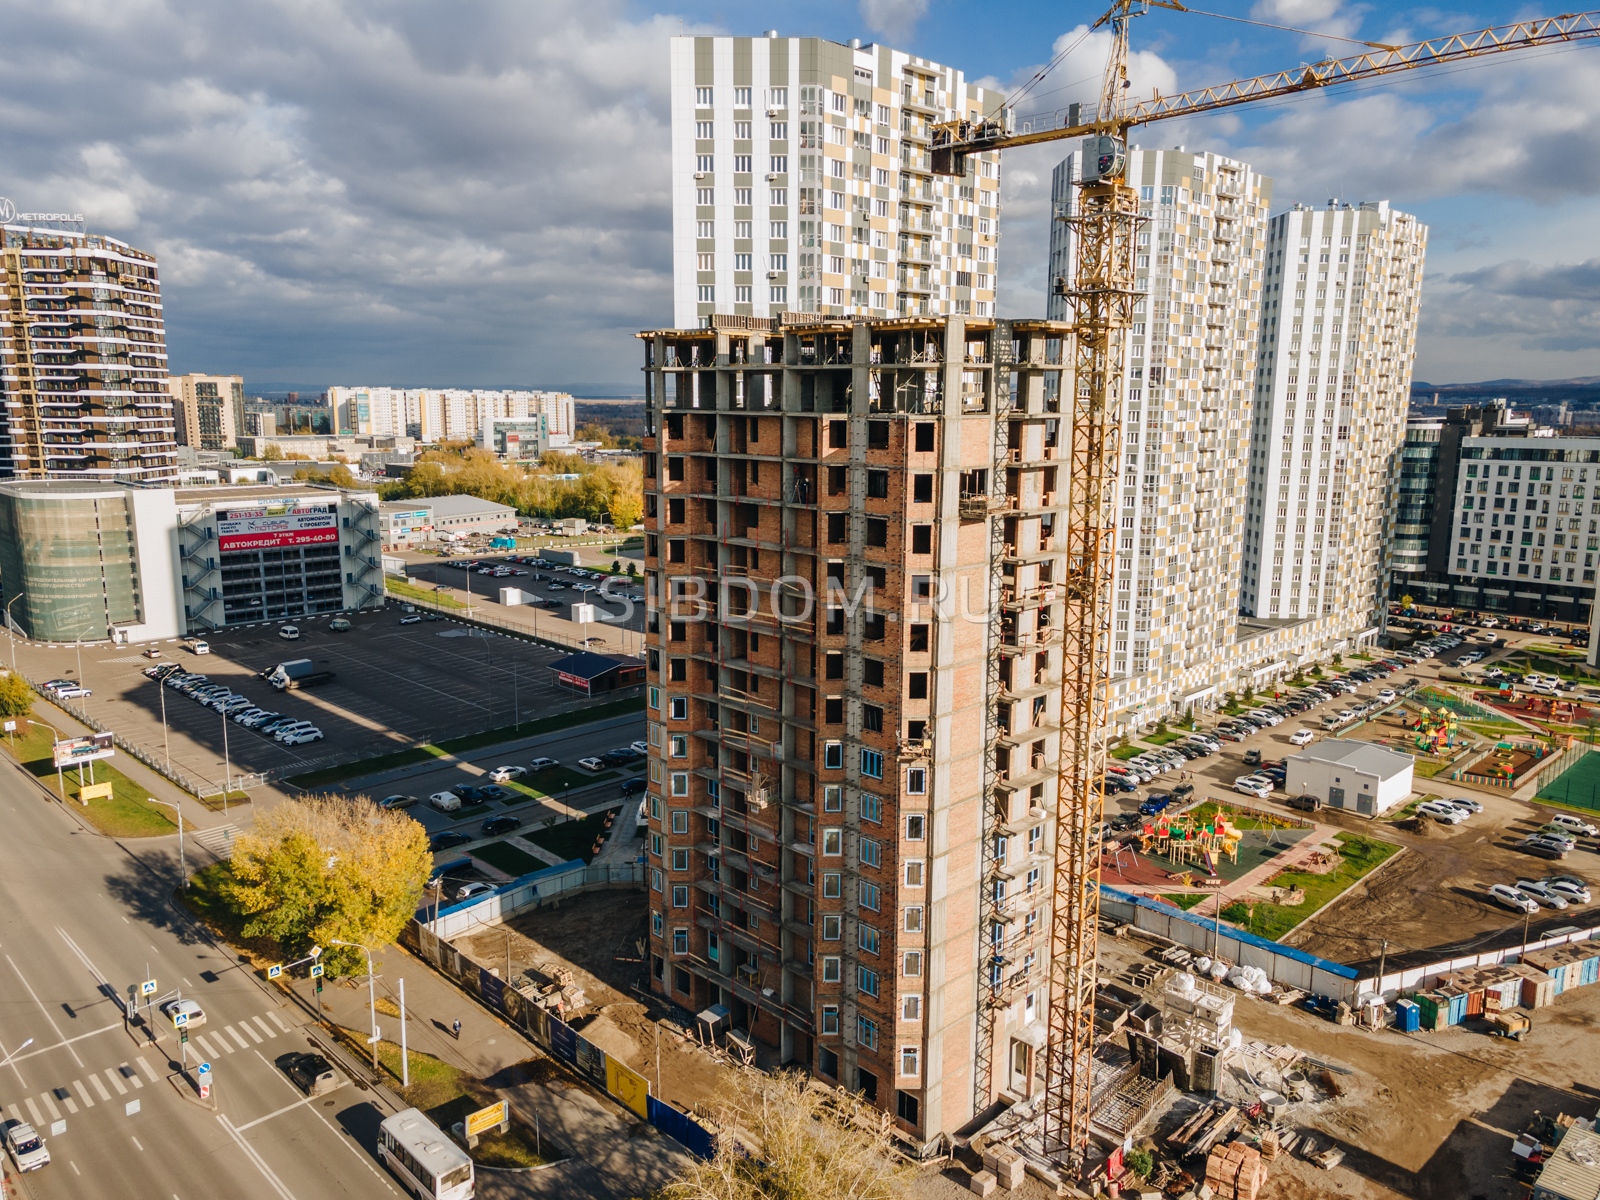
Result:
787,1137
326,868
633,568
625,509
271,454
16,696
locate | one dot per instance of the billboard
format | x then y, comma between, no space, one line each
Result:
73,752
269,527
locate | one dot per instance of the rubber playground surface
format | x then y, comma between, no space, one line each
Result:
1256,846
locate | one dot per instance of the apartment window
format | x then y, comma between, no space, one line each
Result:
910,1060
780,229
656,847
778,294
655,698
833,710
911,1008
832,842
831,969
878,484
780,164
705,163
916,827
833,798
871,853
911,964
832,927
833,756
868,938
680,860
679,708
832,888
680,820
913,919
866,981
872,764
838,529
871,808
680,941
913,872
741,164
917,777
702,97
872,721
679,746
741,229
680,895
919,637
704,130
656,878
707,293
830,1018
922,489
778,97
680,783
868,894
741,293
922,539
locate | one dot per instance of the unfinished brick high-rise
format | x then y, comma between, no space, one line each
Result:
854,667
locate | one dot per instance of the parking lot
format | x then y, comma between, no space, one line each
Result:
1433,898
548,592
394,685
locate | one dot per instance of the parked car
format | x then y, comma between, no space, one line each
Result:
399,800
1386,696
27,1147
618,757
1575,890
1472,806
543,764
591,764
493,792
1512,898
413,619
474,888
1253,785
632,787
1301,737
299,737
506,773
445,801
449,838
1544,847
1155,804
289,633
641,748
1445,814
1573,823
495,826
311,1073
1304,803
1252,757
1542,892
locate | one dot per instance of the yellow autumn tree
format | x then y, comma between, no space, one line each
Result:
325,868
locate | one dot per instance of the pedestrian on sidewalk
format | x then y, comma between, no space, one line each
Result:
456,1029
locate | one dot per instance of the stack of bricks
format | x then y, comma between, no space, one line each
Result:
1235,1172
1007,1166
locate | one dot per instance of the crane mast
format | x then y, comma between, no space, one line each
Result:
1102,292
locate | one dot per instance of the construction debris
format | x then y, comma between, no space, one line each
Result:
1234,1172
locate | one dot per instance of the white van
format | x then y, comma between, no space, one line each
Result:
445,801
196,646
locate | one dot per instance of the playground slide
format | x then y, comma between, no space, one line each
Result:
1211,863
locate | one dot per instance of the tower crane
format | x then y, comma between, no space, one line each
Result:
1105,223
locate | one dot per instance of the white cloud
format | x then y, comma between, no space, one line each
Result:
894,19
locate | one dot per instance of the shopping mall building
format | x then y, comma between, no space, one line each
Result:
95,561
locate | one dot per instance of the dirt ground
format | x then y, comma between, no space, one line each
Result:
1430,899
599,935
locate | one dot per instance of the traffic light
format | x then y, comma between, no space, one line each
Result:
183,1037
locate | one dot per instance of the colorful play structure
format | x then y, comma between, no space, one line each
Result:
1186,839
1434,729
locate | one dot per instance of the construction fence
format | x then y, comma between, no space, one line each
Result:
558,1039
527,891
1414,979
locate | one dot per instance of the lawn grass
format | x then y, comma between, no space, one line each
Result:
556,780
503,856
1161,739
471,741
1123,753
127,814
1358,856
406,590
571,839
1185,900
214,801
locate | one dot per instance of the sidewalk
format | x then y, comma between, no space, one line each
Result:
615,1155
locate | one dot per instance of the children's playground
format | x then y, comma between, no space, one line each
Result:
1207,846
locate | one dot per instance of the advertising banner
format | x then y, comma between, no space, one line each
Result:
563,1041
270,527
628,1086
591,1061
486,1119
70,752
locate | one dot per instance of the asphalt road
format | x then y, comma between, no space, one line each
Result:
82,918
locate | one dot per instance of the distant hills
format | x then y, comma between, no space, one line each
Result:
1582,392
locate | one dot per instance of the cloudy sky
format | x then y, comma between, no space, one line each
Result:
474,192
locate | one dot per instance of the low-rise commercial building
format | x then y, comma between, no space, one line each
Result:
515,437
1360,777
418,522
92,561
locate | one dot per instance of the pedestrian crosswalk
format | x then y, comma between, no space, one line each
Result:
126,1078
218,840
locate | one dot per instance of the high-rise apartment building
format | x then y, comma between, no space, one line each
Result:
209,410
446,414
1339,326
854,554
802,182
1190,371
83,356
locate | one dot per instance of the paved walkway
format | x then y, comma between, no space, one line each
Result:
614,1154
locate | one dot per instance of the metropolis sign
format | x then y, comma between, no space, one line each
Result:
272,526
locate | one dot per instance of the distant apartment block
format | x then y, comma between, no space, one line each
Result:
446,414
209,410
1339,327
83,356
802,183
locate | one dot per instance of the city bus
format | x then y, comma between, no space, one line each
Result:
421,1157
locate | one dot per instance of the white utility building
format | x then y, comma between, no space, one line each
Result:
1359,777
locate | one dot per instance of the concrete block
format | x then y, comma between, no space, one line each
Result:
983,1183
1010,1170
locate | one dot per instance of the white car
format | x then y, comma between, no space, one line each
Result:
1447,814
26,1146
1573,889
1513,899
506,773
543,764
591,764
445,801
1573,823
289,633
1253,785
640,747
300,737
1542,892
284,731
471,889
1386,696
191,1011
1301,737
1472,806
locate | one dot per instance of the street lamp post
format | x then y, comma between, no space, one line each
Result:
166,745
183,865
6,1061
11,629
372,995
227,766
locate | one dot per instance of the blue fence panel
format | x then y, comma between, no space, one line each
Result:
563,1041
493,989
591,1062
680,1127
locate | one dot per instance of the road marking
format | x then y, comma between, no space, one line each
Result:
286,1108
260,1164
265,1028
254,1036
234,1033
88,1100
71,1040
116,1081
33,1111
283,1026
211,1051
128,1073
148,1070
83,958
14,1067
354,1147
100,1087
135,1141
46,1013
55,1113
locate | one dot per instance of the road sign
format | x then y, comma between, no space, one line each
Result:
274,971
486,1119
204,1075
180,1019
316,970
147,988
11,726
